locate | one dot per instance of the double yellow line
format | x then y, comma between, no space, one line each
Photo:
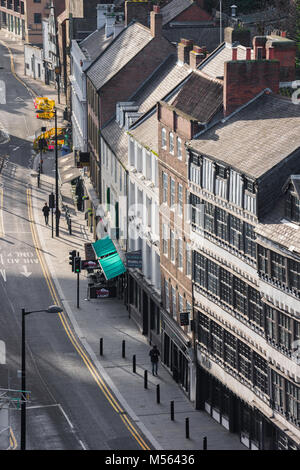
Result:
65,323
12,440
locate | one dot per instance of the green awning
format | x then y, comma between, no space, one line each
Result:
104,247
112,266
108,258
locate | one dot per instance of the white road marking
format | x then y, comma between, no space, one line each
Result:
3,274
25,272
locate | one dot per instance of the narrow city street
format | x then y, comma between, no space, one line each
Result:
67,409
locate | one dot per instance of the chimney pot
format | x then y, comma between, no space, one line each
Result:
183,50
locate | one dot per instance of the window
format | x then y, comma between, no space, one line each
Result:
244,353
221,224
212,277
148,166
165,239
236,233
37,18
260,373
226,286
188,260
293,208
195,174
255,307
293,401
200,269
294,274
208,174
165,187
180,199
172,193
203,331
263,259
174,305
278,267
217,339
172,246
167,299
240,294
180,303
230,349
271,322
250,245
284,330
180,254
179,148
277,390
209,217
163,138
171,142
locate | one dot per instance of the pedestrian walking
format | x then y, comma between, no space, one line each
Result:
46,211
154,355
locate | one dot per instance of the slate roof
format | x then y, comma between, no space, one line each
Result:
209,37
95,43
277,228
214,64
157,87
174,8
256,138
147,133
121,50
201,97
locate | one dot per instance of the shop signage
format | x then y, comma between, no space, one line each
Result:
134,259
85,264
184,319
99,293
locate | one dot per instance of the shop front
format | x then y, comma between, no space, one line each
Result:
178,354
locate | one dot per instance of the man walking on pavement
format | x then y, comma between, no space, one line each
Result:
46,211
154,354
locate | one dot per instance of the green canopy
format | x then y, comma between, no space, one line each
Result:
104,247
109,258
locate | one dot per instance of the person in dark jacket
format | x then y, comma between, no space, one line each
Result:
46,211
154,355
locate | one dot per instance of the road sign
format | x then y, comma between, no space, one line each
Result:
134,259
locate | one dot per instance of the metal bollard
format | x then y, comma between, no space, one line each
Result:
101,346
157,393
146,379
172,410
205,443
70,227
187,428
123,348
134,364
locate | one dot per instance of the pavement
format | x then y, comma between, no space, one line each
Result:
108,319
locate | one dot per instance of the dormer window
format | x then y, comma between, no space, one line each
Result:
293,207
221,171
249,186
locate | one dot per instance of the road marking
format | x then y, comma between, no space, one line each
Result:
12,440
89,364
3,274
25,272
2,234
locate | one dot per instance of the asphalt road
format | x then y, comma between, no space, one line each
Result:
67,410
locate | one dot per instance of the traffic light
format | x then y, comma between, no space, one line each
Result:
52,205
72,258
77,265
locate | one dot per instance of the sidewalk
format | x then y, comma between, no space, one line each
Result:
108,319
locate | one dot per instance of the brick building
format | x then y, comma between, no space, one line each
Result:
242,170
24,18
122,68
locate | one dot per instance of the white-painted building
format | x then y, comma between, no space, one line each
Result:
33,62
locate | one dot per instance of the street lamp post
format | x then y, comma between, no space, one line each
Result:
56,178
51,309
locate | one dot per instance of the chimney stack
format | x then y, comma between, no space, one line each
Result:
196,57
185,46
156,22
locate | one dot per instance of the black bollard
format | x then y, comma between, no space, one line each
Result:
157,393
187,428
123,348
70,227
146,379
101,346
172,410
205,443
134,364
